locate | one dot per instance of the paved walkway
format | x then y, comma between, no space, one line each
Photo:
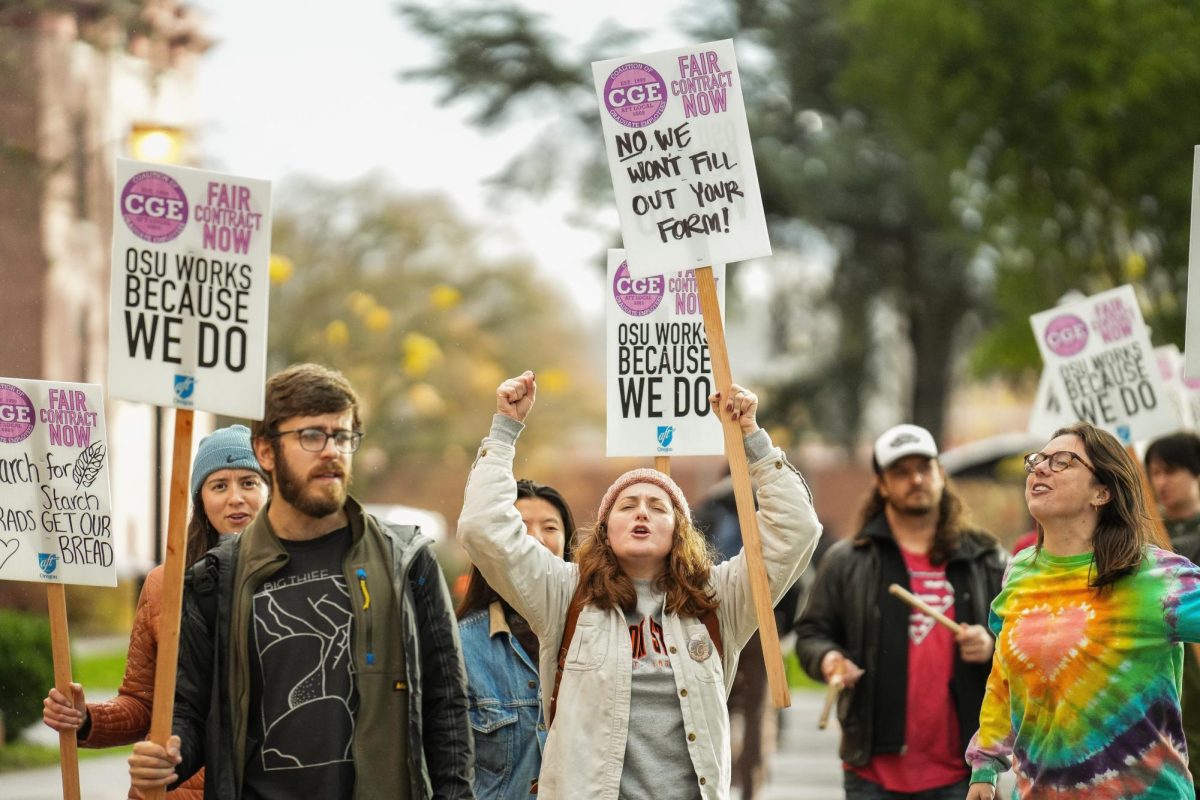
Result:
805,766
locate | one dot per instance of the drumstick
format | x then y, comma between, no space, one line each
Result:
836,684
923,607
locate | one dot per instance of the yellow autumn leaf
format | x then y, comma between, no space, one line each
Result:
337,333
420,354
280,269
444,297
378,319
553,381
360,302
1135,265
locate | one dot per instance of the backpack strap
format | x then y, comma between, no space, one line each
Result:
709,618
568,634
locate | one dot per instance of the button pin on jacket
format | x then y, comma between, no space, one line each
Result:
699,648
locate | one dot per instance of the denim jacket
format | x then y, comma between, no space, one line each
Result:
505,707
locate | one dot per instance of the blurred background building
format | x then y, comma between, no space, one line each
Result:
81,84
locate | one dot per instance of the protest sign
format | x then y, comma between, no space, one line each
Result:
678,146
1191,335
1098,352
189,290
1170,369
55,512
1048,413
659,368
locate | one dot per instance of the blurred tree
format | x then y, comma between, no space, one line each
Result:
968,162
395,292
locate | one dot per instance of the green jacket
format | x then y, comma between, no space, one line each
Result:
412,732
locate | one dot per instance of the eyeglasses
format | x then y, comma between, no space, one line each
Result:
1058,461
314,439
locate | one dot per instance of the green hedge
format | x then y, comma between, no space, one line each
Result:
26,669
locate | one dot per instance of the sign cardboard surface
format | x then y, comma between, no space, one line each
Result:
189,291
674,126
55,507
659,367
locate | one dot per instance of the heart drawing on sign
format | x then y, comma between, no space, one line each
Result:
7,548
1047,639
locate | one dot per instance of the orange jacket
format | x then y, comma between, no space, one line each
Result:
126,718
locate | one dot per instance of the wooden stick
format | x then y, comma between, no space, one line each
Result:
172,588
739,470
836,684
923,607
663,464
60,645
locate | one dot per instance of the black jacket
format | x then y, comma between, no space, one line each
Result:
850,610
415,638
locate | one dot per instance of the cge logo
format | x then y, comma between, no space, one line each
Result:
1066,335
16,414
635,95
154,206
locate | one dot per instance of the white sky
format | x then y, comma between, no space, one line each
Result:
310,87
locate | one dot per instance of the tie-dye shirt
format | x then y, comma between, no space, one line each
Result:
1084,689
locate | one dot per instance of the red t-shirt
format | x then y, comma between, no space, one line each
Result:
933,755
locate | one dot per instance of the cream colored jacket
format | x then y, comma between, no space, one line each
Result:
586,745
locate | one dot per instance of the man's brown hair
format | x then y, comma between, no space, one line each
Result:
305,390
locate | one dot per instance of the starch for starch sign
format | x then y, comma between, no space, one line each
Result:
55,512
679,152
659,367
189,290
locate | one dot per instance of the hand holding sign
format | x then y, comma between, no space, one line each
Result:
62,713
741,405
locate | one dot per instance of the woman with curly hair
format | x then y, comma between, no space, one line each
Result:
641,634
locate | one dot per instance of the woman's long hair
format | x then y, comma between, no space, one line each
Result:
479,592
201,535
1124,528
952,522
605,585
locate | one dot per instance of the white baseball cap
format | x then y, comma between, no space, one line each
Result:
901,441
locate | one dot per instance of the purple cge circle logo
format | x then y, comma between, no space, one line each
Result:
635,94
16,414
637,297
1066,335
154,206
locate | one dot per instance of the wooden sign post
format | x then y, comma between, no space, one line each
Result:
54,445
739,470
172,598
181,234
60,644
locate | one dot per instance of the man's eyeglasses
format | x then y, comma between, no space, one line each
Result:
314,439
1058,461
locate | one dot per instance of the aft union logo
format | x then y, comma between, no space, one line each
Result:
665,434
47,563
185,386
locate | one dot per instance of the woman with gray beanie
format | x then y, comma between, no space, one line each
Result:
642,631
228,488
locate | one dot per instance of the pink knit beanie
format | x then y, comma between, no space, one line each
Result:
644,475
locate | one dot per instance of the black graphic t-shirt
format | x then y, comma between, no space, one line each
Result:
303,696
